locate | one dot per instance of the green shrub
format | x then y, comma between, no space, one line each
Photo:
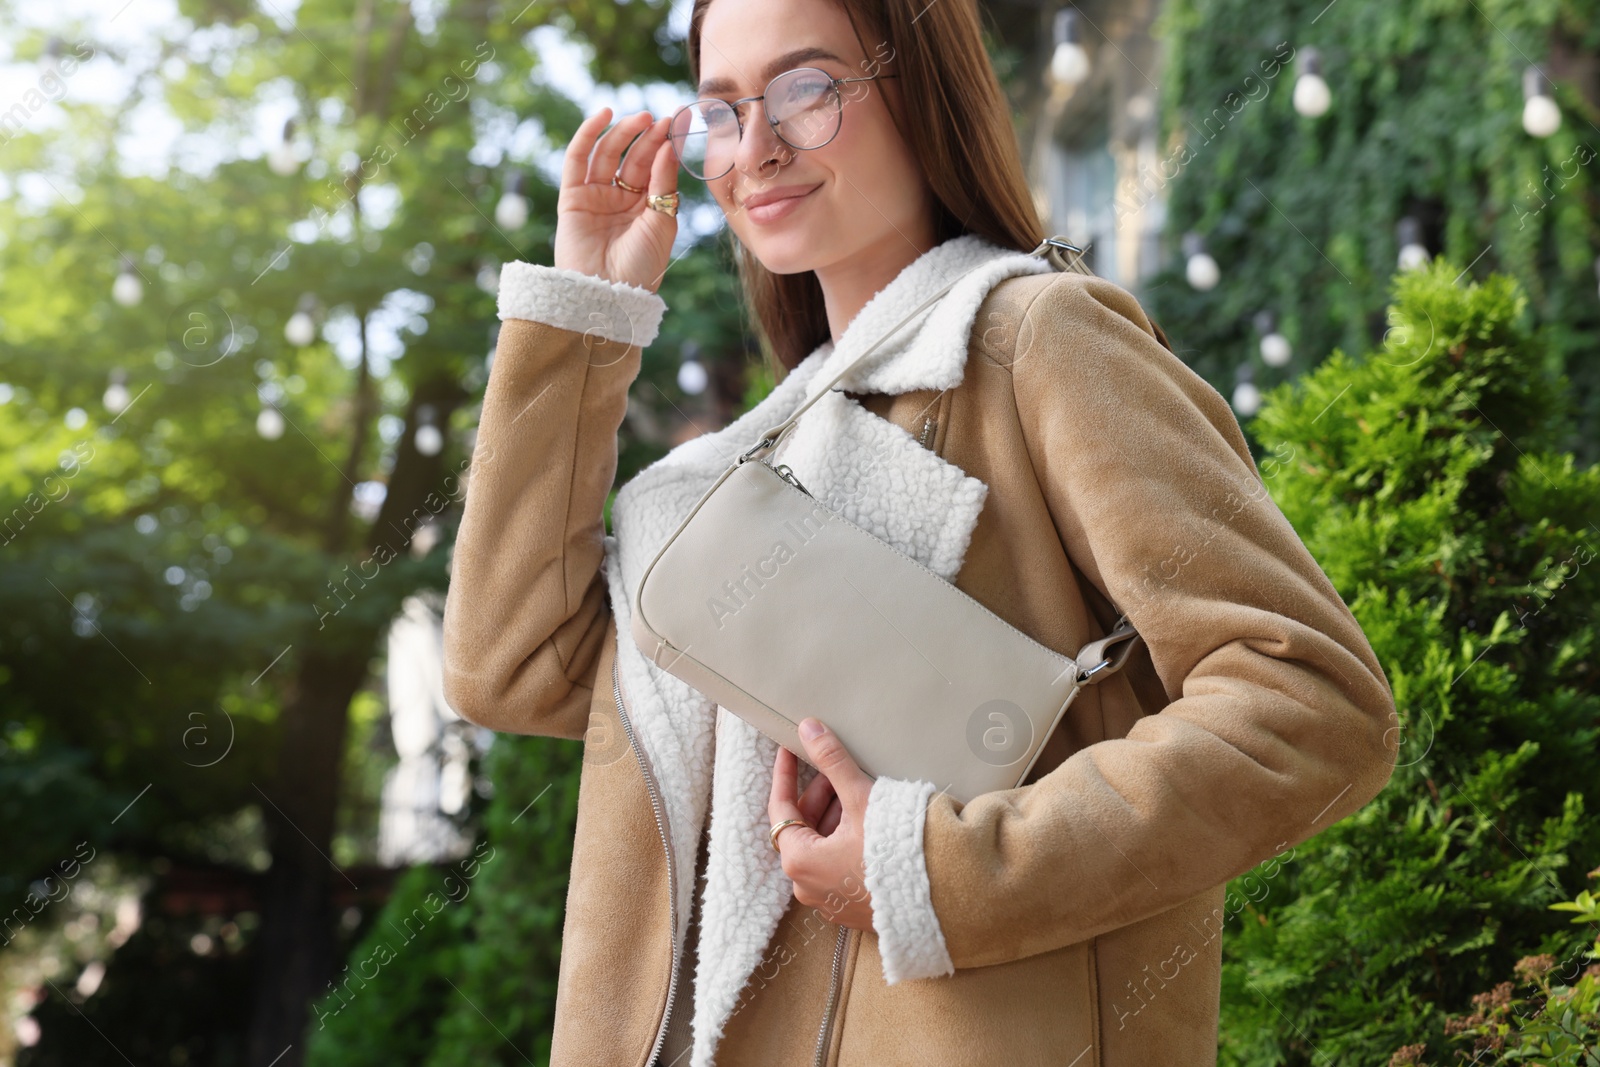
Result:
1555,1025
1424,480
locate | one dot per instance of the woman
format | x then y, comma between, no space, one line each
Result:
1030,440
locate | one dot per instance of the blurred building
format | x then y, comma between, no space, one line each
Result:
1095,159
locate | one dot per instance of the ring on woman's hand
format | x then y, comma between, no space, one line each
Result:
772,835
617,180
666,203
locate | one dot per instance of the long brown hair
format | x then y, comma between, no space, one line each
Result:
957,124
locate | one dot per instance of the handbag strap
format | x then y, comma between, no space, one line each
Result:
1094,665
1057,251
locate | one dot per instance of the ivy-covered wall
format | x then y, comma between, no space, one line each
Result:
1301,213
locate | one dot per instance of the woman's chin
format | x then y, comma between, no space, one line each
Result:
782,253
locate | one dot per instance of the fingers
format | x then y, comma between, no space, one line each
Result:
575,164
828,754
639,168
781,805
814,801
603,166
829,822
666,165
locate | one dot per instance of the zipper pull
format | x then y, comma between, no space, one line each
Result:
783,471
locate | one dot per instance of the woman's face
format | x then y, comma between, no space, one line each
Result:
866,185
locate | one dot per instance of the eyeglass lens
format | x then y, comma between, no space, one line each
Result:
801,104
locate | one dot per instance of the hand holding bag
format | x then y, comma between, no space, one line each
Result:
918,679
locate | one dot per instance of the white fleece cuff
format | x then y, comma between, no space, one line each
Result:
909,937
585,303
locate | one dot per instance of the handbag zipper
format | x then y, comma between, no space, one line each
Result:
833,995
666,841
782,470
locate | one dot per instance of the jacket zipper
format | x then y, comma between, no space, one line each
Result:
928,426
833,995
666,841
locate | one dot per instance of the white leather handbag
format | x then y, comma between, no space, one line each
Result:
918,679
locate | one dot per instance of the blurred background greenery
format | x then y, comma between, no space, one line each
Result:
247,271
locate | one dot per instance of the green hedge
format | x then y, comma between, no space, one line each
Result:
1423,477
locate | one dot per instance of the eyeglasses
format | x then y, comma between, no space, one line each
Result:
803,106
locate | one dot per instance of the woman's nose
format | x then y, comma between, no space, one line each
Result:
761,151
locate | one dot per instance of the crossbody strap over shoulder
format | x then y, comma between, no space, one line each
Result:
1059,253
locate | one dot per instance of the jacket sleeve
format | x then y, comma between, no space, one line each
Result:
527,606
1279,711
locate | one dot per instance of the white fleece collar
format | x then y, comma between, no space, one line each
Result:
930,351
875,474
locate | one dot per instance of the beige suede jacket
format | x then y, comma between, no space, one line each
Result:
1082,911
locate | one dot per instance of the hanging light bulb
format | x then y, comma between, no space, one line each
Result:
1541,116
1275,350
301,330
115,397
1201,269
269,424
1311,94
489,277
1069,64
692,376
1413,253
428,439
282,158
1246,397
128,289
511,212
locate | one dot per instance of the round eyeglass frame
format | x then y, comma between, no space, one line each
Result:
733,105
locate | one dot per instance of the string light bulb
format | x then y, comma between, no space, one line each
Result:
511,212
1200,268
1311,94
269,422
1541,115
489,277
692,376
282,159
301,329
1069,64
1246,397
428,438
116,397
128,289
1275,349
1413,253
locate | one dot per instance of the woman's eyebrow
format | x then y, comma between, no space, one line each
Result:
782,63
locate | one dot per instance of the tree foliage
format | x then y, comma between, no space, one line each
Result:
190,609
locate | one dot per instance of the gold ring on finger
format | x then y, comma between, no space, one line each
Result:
617,180
666,203
772,835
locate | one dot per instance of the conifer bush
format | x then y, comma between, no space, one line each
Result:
1424,478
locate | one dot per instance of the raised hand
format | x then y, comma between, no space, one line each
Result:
603,229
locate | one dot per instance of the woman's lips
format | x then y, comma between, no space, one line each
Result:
777,209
